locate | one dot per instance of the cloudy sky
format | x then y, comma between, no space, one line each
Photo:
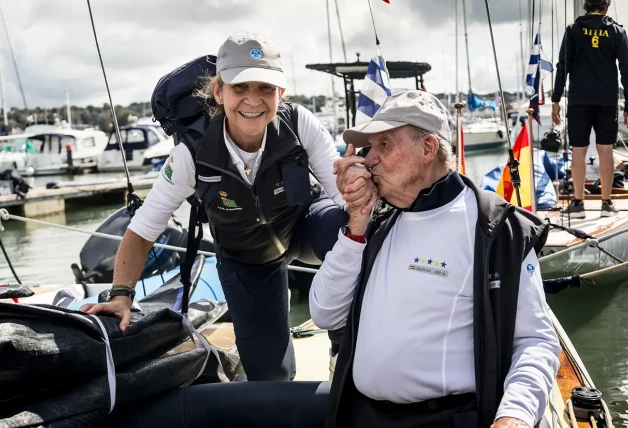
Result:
142,40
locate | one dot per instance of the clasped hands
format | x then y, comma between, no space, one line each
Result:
354,181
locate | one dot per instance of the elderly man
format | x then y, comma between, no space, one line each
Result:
442,296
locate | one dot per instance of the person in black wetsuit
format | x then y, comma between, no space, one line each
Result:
591,47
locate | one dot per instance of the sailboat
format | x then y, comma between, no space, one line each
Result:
479,133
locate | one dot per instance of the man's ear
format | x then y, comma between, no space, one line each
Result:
430,147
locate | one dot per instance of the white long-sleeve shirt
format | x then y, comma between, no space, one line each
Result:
415,338
172,188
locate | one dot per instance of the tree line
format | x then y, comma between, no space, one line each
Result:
100,116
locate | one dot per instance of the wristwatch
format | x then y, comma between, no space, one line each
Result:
357,238
121,290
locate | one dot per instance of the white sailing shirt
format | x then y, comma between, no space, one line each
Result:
415,337
177,179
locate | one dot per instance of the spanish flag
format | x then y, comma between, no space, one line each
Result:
523,152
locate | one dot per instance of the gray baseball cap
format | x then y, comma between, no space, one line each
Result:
250,57
413,107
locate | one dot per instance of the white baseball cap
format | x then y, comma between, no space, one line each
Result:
250,57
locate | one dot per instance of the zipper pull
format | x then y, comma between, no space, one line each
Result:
257,201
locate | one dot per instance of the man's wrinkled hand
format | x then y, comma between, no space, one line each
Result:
510,423
349,169
361,194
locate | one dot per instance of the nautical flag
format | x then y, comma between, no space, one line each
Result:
375,89
523,151
460,148
387,1
538,70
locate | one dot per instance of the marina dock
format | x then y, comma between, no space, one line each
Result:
42,201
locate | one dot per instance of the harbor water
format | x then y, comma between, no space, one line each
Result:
594,317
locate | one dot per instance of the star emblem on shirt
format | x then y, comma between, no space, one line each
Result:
416,260
429,262
443,264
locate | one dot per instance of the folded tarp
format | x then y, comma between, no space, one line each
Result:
57,365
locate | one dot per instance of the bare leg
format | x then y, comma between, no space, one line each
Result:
607,168
578,170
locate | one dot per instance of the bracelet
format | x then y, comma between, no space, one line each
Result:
356,238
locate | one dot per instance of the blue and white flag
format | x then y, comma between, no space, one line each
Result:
538,70
375,89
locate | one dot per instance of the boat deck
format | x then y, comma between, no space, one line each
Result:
593,224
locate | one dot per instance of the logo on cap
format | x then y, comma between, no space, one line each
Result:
256,53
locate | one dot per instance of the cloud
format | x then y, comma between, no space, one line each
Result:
142,40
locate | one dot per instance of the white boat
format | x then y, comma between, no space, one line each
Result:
143,144
63,151
481,134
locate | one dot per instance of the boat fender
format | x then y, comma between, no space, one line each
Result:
500,134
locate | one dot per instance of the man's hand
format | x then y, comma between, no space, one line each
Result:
510,423
354,181
556,113
625,117
119,306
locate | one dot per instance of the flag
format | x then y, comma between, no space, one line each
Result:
375,89
538,70
474,103
460,148
522,150
387,1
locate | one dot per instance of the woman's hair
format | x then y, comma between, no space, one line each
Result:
205,91
596,5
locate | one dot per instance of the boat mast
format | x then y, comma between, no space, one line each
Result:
333,86
456,7
19,80
67,106
342,37
4,105
466,39
523,67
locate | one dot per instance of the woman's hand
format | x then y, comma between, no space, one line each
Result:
119,306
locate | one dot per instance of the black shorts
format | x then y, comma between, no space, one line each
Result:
603,119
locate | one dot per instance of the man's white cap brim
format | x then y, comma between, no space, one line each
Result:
359,135
237,75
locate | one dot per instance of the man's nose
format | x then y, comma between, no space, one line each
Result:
369,157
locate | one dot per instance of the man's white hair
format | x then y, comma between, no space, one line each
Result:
444,147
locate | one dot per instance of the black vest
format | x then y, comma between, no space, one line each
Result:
504,236
254,223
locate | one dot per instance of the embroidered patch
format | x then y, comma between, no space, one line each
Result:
278,191
167,171
530,269
214,179
256,53
229,203
432,267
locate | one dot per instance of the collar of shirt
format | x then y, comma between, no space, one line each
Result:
232,148
439,194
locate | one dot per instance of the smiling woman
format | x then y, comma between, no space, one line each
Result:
250,171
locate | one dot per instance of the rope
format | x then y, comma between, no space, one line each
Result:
4,215
6,256
373,19
590,240
133,201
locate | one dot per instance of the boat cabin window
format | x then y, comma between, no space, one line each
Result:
88,143
113,138
152,138
51,144
134,136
